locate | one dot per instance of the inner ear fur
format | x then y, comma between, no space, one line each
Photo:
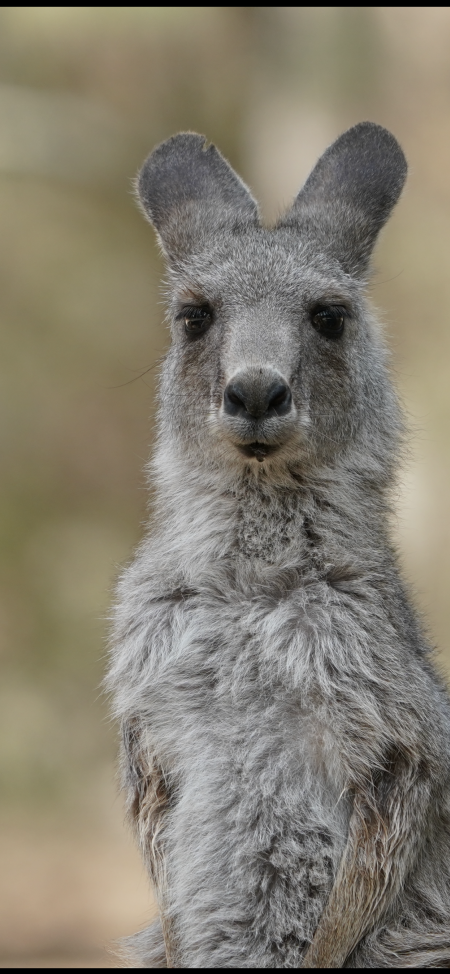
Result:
350,194
188,191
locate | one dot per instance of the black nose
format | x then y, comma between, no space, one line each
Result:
257,397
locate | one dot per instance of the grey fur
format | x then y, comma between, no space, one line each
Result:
286,737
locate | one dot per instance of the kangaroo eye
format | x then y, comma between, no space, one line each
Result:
329,320
196,319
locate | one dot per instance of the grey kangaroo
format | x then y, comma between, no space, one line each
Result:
286,738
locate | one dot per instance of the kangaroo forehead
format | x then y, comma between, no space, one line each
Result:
262,264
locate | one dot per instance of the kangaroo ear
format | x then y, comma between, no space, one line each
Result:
189,192
349,195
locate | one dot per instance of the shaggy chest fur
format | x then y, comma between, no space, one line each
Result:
226,694
257,789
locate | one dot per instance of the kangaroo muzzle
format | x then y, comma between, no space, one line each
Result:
257,407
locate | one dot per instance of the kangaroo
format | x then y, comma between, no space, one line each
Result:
286,737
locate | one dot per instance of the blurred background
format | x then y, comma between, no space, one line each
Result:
85,93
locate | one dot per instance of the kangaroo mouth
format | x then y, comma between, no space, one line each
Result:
256,451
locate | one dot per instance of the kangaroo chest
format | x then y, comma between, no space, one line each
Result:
258,797
236,698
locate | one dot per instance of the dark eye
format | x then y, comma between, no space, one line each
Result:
197,319
329,320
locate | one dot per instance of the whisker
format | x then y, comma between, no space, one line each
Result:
140,376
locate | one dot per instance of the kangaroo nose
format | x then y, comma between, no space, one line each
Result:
257,397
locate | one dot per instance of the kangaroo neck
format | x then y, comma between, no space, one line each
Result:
256,525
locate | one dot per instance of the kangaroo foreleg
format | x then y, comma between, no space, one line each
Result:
148,803
378,853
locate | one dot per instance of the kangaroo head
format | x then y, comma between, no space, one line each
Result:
275,361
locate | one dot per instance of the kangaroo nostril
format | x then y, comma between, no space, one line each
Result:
234,400
234,397
280,399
